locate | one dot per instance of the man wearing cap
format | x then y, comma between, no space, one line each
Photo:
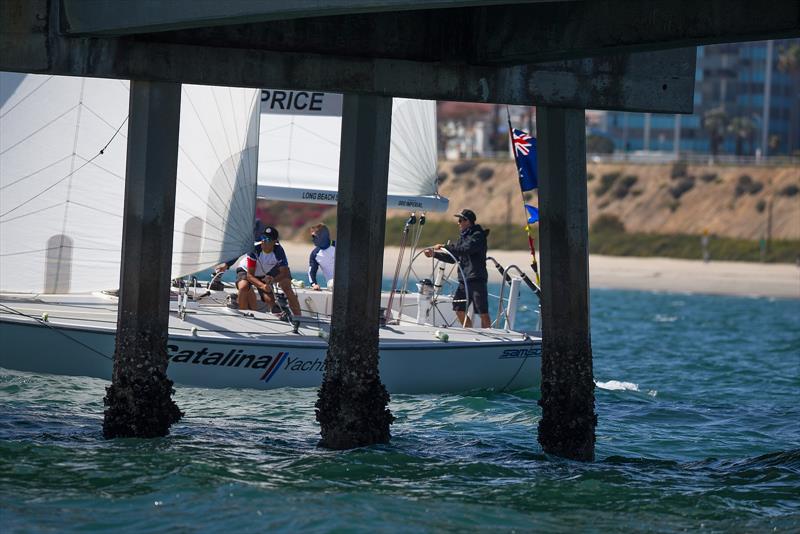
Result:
262,267
470,250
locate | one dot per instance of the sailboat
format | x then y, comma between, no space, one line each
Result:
62,169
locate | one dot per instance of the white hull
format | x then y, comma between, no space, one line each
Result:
229,350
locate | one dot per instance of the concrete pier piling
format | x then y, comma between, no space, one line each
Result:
138,401
352,406
568,418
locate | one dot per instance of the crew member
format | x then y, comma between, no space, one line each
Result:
470,250
323,256
264,266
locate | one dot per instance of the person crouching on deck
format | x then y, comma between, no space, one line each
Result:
470,251
264,266
323,256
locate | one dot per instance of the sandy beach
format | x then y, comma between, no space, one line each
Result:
648,274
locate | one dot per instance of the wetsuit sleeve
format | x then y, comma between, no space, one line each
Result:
441,256
313,266
280,255
470,244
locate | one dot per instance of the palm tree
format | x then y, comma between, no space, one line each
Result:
789,62
715,122
742,129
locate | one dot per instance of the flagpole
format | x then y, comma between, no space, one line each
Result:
531,240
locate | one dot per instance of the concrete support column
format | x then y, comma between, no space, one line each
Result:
138,402
568,418
352,406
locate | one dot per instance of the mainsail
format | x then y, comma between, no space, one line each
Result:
299,151
62,174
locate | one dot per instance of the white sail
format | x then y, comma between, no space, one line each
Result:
299,151
62,175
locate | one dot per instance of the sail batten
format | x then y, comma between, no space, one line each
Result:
63,144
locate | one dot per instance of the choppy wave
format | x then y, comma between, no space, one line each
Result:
716,449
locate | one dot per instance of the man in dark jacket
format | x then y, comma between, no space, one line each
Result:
470,250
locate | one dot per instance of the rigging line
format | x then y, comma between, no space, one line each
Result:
239,223
251,145
35,172
213,148
69,182
38,130
289,160
44,323
93,112
95,164
210,141
21,100
311,165
210,188
34,212
222,123
40,193
96,249
317,135
275,129
237,126
93,208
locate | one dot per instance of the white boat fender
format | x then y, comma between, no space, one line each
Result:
194,330
45,317
321,334
443,336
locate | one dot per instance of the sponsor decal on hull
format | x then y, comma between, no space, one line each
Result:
534,352
270,364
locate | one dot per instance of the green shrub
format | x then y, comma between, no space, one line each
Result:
688,247
745,185
485,173
608,223
464,166
679,189
624,186
441,177
589,177
789,191
606,182
761,205
708,177
679,170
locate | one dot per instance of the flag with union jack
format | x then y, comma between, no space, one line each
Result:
525,155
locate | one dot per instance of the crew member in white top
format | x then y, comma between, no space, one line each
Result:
264,266
323,256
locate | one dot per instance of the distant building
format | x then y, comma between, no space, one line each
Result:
734,78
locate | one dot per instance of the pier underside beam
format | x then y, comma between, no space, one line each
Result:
138,402
352,406
568,419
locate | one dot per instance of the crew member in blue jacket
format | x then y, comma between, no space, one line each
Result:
323,256
470,251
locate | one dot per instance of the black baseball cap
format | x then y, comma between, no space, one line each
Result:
466,214
270,233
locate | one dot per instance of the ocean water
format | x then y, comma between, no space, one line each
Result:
698,403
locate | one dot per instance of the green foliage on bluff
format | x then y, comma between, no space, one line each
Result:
608,236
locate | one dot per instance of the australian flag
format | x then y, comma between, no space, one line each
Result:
525,154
